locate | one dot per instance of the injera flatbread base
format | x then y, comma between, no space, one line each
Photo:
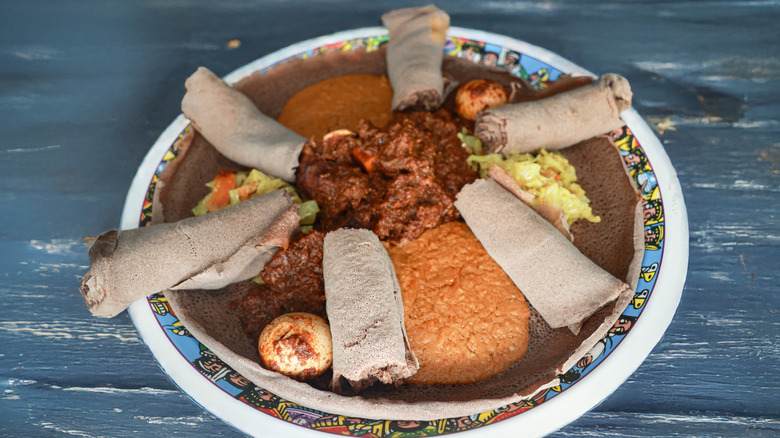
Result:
615,244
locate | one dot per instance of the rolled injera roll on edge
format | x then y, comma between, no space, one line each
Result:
414,56
205,252
558,121
366,312
237,129
560,282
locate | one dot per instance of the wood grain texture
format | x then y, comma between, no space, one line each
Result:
86,87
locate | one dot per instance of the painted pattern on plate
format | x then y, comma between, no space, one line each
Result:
538,74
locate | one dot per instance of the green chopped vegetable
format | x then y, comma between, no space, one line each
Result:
472,143
256,183
308,212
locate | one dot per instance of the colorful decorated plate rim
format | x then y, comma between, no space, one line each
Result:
649,166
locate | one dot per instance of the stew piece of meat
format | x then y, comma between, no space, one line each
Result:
293,282
397,181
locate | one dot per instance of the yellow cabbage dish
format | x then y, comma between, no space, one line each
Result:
548,176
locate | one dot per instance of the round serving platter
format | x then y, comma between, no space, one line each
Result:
214,385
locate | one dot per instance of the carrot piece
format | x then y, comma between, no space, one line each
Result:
220,192
244,192
365,158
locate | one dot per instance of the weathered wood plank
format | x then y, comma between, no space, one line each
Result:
86,87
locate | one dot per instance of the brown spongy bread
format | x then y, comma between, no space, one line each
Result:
615,244
465,318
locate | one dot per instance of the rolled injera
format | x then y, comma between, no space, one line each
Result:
205,252
365,311
560,282
414,56
558,121
237,129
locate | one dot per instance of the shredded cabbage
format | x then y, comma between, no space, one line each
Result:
255,183
472,143
547,175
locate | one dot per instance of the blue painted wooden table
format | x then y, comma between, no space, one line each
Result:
87,86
